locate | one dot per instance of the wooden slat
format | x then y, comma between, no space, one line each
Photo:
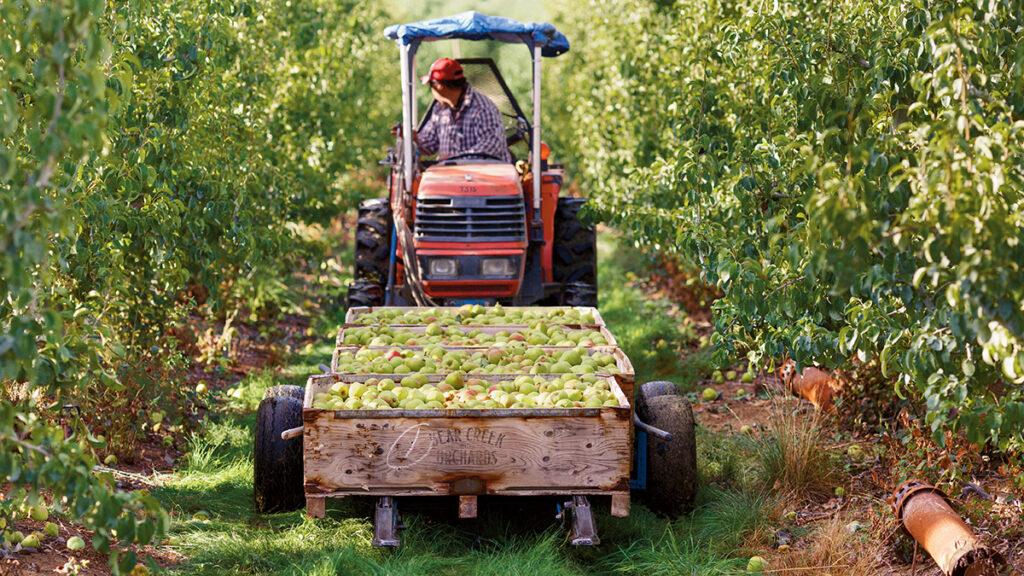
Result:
464,455
399,491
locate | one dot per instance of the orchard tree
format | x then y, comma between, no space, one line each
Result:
849,173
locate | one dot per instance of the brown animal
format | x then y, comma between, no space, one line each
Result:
813,384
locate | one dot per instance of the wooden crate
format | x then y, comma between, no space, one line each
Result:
539,451
420,329
352,316
626,376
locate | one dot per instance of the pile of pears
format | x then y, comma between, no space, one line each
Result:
512,359
539,334
457,390
533,357
476,314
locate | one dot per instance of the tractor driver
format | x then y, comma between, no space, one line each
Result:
463,121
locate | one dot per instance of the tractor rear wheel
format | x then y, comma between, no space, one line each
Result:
671,465
373,241
574,255
579,294
277,463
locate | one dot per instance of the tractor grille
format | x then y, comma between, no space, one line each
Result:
469,218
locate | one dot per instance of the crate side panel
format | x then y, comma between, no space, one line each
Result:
467,455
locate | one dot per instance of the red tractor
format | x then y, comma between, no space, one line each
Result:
472,228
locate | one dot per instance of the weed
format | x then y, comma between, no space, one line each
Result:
792,458
721,459
833,550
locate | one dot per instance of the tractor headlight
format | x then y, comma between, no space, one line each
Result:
504,267
444,267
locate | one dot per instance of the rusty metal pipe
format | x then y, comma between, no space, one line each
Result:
928,517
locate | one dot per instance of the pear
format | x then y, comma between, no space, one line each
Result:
75,543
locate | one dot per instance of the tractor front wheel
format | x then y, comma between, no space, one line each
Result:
671,464
574,255
277,463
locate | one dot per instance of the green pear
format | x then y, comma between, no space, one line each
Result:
75,543
39,513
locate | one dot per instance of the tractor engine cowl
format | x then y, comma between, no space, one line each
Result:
469,230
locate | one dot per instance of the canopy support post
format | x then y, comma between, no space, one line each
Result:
407,111
535,155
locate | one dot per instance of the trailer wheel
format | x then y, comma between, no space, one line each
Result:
650,390
364,293
671,465
575,248
289,391
277,463
373,241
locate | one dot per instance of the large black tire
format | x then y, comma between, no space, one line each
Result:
364,293
289,391
373,241
575,248
671,465
650,390
579,294
277,463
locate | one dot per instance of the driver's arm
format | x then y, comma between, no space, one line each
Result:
426,138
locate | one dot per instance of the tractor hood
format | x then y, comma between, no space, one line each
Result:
484,179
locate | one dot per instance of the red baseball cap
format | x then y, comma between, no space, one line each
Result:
444,69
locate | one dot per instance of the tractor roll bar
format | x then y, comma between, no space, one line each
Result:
407,55
535,155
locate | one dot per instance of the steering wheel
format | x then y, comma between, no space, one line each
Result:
468,154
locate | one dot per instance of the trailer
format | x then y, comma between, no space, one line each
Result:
643,444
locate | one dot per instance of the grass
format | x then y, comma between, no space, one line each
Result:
216,478
834,550
649,331
791,455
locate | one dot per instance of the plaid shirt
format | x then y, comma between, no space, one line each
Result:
474,127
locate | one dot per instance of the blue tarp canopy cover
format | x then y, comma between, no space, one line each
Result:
476,26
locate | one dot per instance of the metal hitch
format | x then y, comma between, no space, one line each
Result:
582,529
386,523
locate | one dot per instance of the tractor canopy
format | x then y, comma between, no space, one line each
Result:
475,26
